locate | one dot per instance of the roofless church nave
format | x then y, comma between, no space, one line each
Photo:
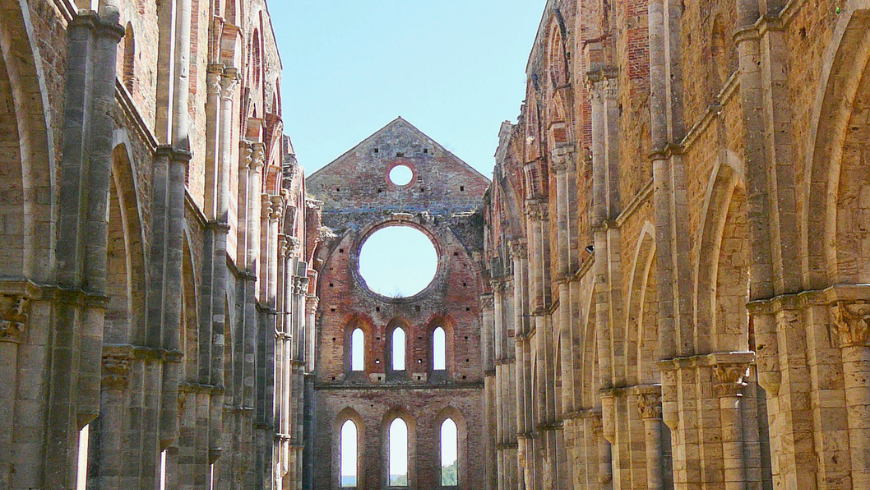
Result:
664,286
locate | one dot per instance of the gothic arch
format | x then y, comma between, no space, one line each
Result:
348,414
642,315
190,335
722,266
837,249
126,288
589,379
399,412
456,416
447,325
393,325
27,165
365,324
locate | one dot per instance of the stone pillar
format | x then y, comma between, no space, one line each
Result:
116,376
729,389
603,453
650,407
852,321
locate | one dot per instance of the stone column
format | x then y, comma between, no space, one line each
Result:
729,386
13,330
852,321
649,405
116,376
604,455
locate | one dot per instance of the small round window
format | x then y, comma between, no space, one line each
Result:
401,175
398,261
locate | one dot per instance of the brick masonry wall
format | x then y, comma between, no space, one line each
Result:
441,200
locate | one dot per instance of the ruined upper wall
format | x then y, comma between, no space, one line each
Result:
359,182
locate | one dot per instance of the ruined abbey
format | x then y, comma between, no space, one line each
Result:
665,285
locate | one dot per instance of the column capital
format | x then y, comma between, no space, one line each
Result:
277,207
649,405
852,320
537,209
116,368
229,80
13,317
518,247
253,155
729,378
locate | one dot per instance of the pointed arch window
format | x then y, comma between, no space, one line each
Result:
449,454
349,455
399,346
439,350
398,453
357,350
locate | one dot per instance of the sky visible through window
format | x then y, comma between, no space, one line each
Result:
398,261
453,68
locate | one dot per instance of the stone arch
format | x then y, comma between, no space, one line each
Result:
399,412
557,58
456,416
834,233
590,380
27,162
512,208
348,414
642,328
190,337
722,265
125,268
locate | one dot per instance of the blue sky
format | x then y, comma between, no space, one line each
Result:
453,68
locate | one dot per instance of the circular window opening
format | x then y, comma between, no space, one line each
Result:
401,175
398,261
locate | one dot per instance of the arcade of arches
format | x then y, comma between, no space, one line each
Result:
666,284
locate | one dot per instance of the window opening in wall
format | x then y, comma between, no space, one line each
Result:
401,175
439,349
127,76
349,454
398,453
163,470
398,350
357,350
449,446
82,470
398,261
211,477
